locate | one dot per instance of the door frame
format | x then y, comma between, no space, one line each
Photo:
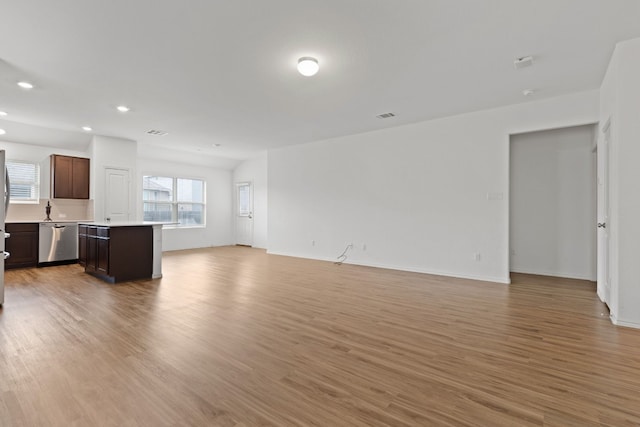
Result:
507,209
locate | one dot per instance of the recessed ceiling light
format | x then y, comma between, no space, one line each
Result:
528,92
87,128
3,113
123,108
308,66
25,85
2,131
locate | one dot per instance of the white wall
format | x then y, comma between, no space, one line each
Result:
553,204
415,196
218,230
255,171
61,208
108,152
620,94
149,151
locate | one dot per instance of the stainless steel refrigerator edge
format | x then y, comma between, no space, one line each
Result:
4,184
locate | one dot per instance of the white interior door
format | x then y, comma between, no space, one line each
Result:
604,271
244,214
116,204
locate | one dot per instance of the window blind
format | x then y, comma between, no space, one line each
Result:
25,181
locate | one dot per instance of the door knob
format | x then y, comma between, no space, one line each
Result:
602,225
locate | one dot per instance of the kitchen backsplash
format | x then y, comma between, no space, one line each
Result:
61,210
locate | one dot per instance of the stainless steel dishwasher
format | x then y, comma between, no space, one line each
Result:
58,242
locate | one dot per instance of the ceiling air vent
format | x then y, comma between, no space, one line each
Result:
522,62
157,132
385,115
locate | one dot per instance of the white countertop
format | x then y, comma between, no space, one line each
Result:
40,221
123,224
95,223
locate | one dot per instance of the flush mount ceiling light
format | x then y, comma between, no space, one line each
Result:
87,128
308,66
25,85
2,131
528,92
3,113
123,108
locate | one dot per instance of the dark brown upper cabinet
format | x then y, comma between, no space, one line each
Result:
69,177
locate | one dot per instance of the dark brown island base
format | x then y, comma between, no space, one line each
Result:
120,252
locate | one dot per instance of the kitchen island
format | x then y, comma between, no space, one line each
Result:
117,252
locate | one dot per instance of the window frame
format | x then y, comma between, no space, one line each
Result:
35,184
174,202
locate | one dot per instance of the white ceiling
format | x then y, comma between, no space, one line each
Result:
214,71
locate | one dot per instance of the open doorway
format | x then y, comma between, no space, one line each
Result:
552,203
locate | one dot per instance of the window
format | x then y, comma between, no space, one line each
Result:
25,181
244,199
169,199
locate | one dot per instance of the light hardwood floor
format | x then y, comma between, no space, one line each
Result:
234,337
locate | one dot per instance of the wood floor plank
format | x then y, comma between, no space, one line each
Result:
235,337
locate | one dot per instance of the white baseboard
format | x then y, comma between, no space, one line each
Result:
554,274
495,279
619,322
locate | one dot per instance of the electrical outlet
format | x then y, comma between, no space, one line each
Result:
364,246
313,243
476,256
62,215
